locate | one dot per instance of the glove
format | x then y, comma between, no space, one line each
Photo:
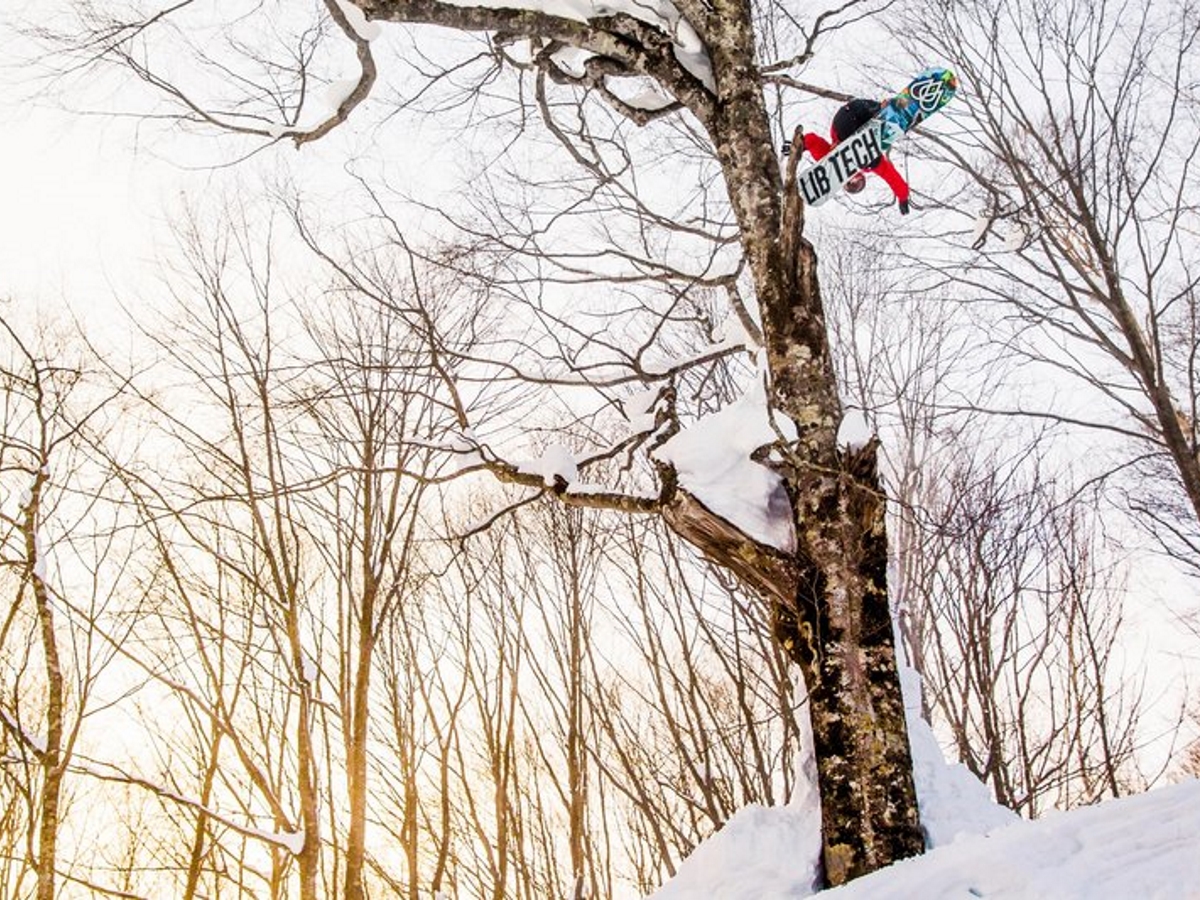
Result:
903,204
798,139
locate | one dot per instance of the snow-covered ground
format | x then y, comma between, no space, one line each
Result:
1142,847
1145,847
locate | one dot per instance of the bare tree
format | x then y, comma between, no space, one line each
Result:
1189,766
371,391
722,720
284,515
425,700
37,425
1018,628
560,764
1188,761
1009,597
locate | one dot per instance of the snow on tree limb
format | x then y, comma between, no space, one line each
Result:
631,39
355,26
363,28
35,742
715,461
289,839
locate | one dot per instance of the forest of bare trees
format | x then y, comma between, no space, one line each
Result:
311,690
370,573
311,627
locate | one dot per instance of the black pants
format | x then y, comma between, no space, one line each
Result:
853,116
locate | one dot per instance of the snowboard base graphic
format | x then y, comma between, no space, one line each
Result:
926,94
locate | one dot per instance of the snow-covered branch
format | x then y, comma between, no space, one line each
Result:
358,30
290,840
625,38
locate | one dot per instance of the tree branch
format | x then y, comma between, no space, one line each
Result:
637,46
366,78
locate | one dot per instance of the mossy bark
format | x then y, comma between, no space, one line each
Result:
839,631
830,614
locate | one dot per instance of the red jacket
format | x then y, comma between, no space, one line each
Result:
818,147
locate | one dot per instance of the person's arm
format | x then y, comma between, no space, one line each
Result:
889,173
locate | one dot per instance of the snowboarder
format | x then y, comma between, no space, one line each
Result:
849,119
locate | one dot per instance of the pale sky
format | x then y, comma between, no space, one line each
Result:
75,205
78,205
86,200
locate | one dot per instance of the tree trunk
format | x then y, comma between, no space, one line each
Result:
839,631
356,749
576,747
830,603
200,838
310,854
308,860
52,764
830,613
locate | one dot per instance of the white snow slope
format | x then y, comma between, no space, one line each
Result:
1145,847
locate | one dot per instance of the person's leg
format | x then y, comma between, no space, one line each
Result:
853,116
815,144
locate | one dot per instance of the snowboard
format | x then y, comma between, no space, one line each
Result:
931,90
